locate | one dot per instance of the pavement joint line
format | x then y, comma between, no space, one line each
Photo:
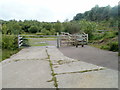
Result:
84,71
16,60
29,59
53,74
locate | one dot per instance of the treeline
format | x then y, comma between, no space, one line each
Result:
99,13
42,28
14,27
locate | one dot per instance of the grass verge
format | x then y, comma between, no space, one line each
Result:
7,53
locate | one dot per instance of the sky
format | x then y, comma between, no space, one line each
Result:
48,10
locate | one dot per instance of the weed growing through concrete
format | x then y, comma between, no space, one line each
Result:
53,74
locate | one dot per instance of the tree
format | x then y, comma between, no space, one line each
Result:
88,27
45,32
58,27
79,16
16,29
4,29
33,29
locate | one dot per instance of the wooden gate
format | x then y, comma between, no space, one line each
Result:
73,40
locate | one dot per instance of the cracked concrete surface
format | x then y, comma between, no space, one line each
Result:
30,68
100,77
95,79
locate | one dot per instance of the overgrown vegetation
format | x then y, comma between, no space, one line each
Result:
9,46
105,35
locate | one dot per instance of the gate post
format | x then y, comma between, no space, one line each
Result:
20,41
58,40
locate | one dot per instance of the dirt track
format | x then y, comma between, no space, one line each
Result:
92,55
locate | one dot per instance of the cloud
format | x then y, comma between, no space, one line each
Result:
47,10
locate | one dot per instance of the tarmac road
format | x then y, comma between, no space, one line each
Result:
92,55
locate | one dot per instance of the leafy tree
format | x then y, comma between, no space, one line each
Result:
4,29
58,27
79,16
33,29
98,14
88,27
16,29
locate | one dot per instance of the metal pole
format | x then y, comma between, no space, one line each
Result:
58,40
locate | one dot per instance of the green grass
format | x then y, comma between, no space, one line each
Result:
7,53
38,41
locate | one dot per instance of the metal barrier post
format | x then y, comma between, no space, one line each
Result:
58,40
20,41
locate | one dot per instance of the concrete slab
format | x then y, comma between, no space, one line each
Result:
95,79
74,67
55,54
30,53
57,57
27,74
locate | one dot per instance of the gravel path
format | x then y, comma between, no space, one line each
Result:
92,55
47,67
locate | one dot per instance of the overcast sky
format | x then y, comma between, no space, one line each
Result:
48,10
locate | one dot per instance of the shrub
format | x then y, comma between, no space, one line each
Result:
113,46
33,29
9,42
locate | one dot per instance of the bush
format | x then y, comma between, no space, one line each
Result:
33,29
9,42
113,46
9,46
